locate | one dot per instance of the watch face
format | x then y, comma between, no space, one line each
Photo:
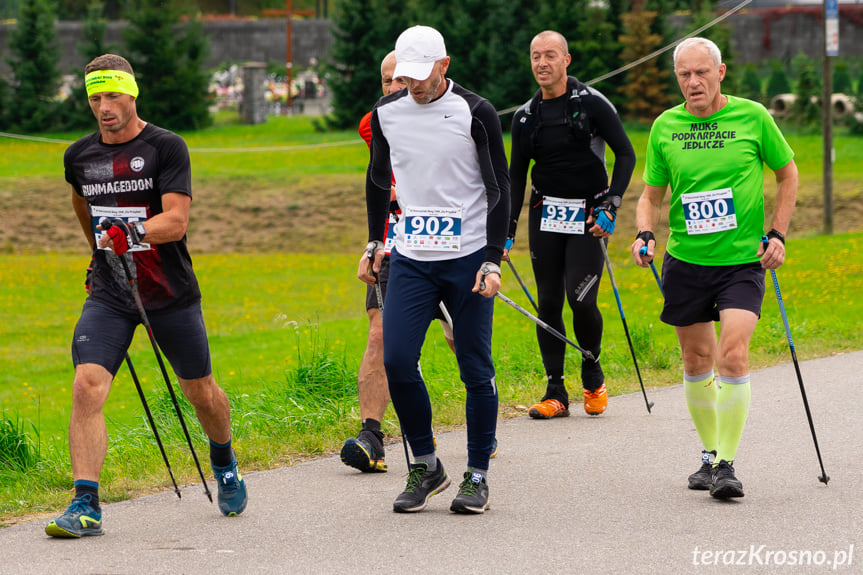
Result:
139,227
614,201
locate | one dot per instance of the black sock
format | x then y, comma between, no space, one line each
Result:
221,455
373,426
556,390
83,487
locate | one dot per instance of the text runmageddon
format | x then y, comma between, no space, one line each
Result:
117,187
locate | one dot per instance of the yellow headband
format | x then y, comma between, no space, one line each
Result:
110,81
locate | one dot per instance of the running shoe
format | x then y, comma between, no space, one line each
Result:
81,519
364,452
422,484
472,494
725,484
548,408
493,449
595,402
232,489
702,479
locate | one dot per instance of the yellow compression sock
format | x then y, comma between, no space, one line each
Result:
701,396
732,409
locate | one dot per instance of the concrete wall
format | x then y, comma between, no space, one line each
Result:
230,41
757,35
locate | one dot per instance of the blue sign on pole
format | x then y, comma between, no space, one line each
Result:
831,27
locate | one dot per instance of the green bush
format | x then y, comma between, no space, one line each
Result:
777,82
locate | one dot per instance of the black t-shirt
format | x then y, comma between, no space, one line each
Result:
128,181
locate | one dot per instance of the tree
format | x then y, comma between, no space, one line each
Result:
75,111
168,62
34,67
807,89
841,79
750,85
777,82
354,75
644,92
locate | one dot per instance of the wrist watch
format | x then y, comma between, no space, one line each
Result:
489,268
372,247
139,229
614,201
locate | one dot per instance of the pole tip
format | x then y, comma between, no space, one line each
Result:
824,478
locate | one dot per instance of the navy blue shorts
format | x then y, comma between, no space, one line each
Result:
103,334
696,294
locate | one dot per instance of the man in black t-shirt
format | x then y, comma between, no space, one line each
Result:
564,129
137,177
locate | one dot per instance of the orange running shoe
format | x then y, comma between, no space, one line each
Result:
595,402
547,409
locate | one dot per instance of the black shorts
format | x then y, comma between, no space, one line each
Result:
103,334
696,294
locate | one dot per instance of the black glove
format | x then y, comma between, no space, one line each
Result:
646,237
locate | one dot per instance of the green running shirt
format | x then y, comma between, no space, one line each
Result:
715,168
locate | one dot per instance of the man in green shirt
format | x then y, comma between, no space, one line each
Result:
711,150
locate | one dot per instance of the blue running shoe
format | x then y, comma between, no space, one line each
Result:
79,520
232,489
493,449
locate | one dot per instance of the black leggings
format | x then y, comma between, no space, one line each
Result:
563,264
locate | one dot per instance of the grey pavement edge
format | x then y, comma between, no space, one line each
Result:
572,495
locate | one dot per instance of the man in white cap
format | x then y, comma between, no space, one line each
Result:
443,145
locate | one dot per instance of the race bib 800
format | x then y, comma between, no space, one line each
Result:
709,212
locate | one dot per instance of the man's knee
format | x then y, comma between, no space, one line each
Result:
200,392
91,386
734,361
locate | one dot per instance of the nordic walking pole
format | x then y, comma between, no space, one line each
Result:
521,283
144,320
380,297
584,353
643,251
507,247
649,404
823,478
152,423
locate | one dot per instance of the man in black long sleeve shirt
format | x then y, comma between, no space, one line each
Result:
564,128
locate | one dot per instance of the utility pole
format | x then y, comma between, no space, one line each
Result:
831,49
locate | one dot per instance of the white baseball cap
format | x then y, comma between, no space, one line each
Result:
417,49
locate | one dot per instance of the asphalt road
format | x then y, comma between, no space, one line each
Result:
575,495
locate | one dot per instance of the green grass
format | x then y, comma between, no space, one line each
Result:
286,348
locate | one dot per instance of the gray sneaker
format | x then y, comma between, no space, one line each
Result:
422,484
472,494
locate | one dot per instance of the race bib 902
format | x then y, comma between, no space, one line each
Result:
433,229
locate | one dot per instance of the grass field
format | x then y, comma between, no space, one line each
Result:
287,328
